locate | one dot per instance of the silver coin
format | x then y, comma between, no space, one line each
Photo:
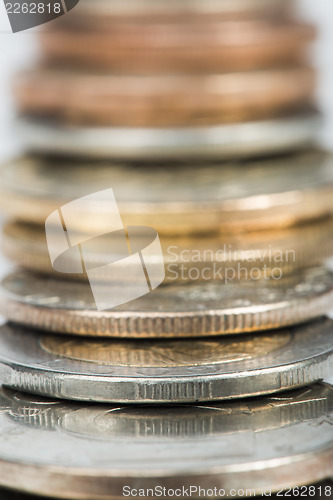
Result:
179,310
225,141
100,452
164,371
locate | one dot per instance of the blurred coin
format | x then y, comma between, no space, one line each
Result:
234,140
248,254
149,8
175,199
178,310
162,101
187,44
164,371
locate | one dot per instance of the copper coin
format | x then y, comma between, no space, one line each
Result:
102,11
162,101
183,46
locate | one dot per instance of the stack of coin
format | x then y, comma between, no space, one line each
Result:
184,130
148,80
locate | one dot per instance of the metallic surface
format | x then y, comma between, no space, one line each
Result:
164,371
220,142
179,7
178,310
185,44
91,452
86,98
271,251
207,197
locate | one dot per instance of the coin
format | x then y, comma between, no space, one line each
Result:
316,492
78,451
248,254
207,197
164,371
162,101
236,140
178,310
149,8
167,422
185,45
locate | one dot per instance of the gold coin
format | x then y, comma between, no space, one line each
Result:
178,198
248,254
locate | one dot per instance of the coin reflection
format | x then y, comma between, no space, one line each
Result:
167,422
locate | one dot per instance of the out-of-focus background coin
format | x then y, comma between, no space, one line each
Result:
109,9
235,140
168,371
177,310
187,45
207,197
85,98
249,254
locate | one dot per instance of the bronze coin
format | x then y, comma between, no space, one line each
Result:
183,46
104,11
162,101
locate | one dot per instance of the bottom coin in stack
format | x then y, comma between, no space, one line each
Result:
71,450
165,371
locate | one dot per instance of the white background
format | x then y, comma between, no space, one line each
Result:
19,50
